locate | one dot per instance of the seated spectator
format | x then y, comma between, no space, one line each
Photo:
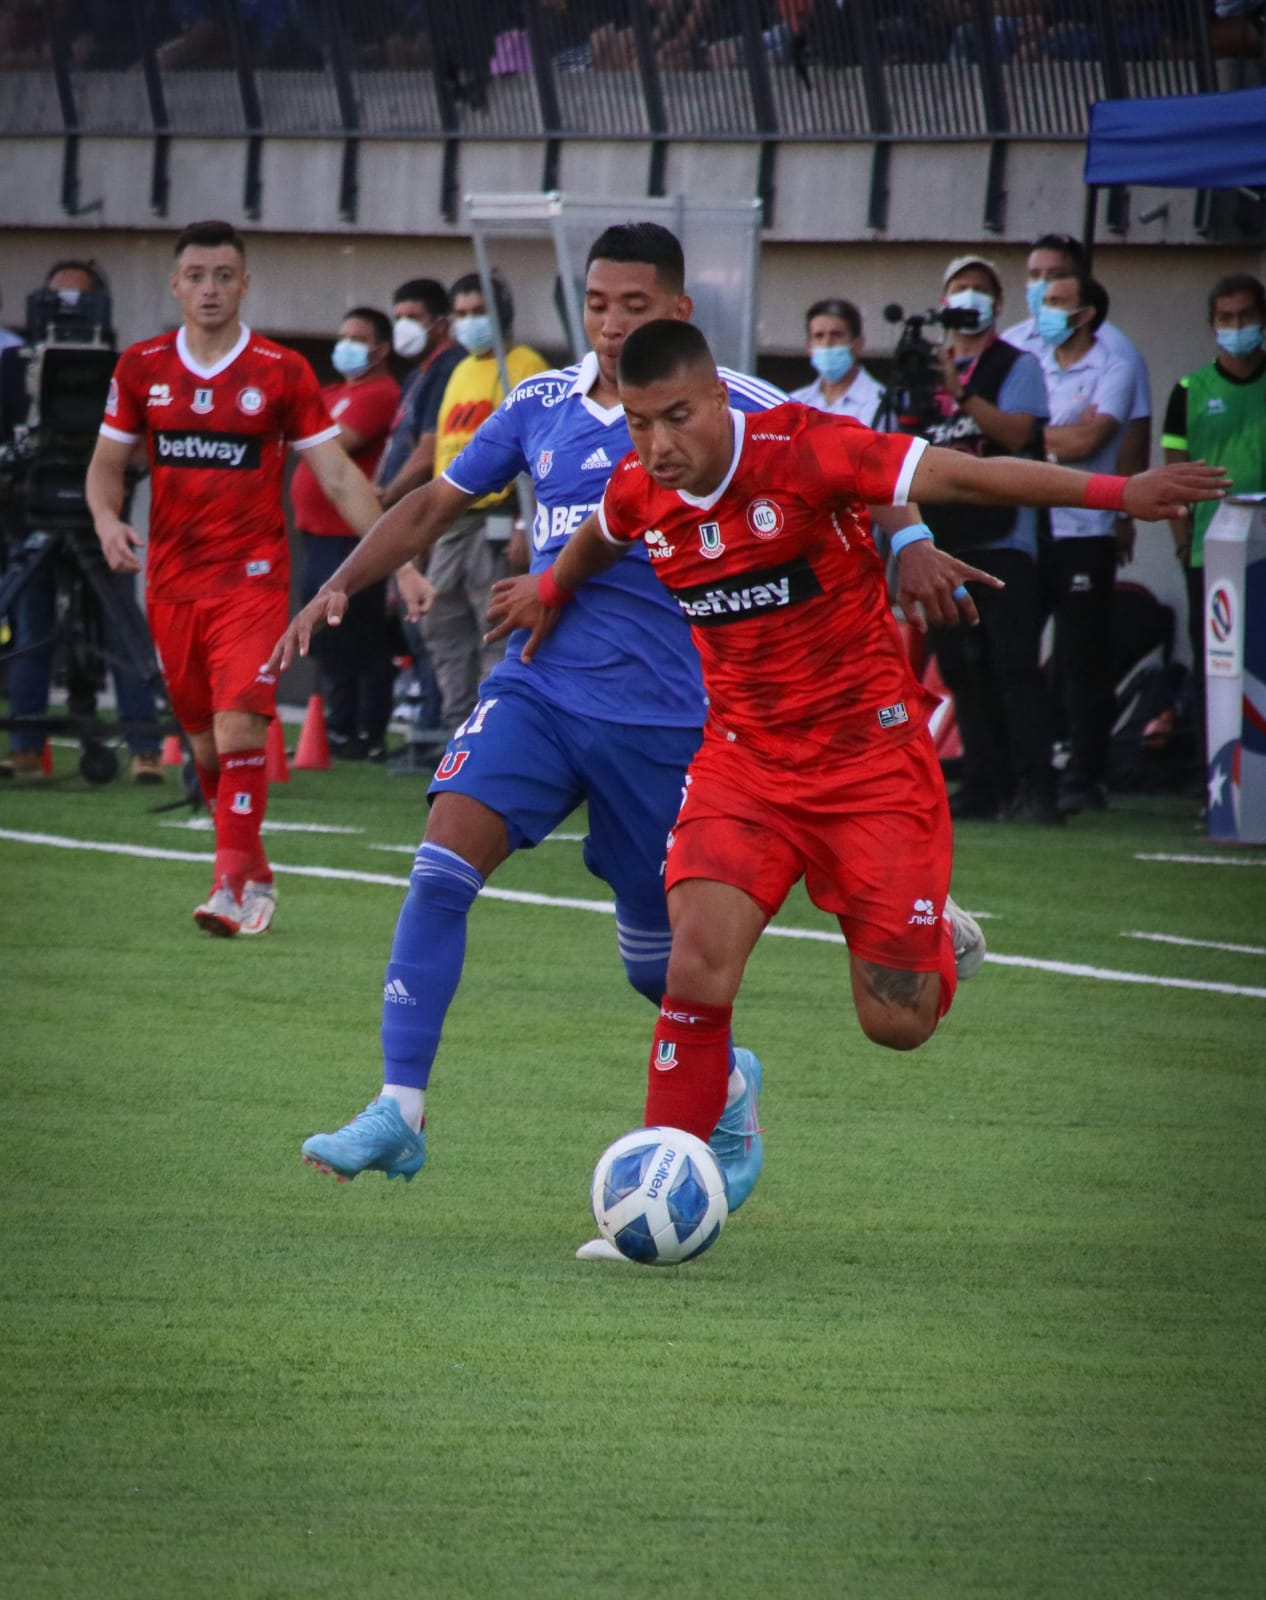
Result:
833,330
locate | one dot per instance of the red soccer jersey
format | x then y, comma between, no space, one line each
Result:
217,441
777,573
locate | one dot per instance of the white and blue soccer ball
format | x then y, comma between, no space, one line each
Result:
658,1195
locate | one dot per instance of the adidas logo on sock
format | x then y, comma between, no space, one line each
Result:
596,459
398,995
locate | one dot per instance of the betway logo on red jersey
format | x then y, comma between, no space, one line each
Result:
188,447
747,594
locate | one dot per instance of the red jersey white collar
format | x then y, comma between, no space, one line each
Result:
198,370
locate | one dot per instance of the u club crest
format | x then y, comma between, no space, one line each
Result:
710,544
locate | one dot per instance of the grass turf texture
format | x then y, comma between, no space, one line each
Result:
991,1324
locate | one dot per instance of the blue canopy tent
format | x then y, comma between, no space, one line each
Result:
1196,141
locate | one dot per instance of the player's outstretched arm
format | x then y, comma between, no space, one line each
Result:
1153,496
406,531
535,600
105,488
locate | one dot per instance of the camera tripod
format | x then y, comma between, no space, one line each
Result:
94,626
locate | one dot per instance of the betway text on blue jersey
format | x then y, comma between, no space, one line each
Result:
621,651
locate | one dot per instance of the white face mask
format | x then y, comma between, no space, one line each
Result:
973,300
409,338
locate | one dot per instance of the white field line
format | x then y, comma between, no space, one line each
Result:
1200,944
1203,861
1068,969
206,825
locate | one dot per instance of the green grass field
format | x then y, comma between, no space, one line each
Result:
991,1324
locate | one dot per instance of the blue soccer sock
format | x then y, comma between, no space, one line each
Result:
427,955
644,952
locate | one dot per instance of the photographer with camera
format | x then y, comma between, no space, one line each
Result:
34,615
218,406
988,399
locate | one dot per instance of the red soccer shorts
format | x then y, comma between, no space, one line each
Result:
211,650
872,838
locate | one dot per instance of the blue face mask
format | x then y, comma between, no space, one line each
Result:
1240,341
474,333
350,357
831,361
1054,327
1034,294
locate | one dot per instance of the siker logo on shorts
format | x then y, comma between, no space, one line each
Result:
748,594
924,914
192,448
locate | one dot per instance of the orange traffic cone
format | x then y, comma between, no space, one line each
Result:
275,750
313,754
46,760
173,754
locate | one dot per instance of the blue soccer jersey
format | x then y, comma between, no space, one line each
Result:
621,651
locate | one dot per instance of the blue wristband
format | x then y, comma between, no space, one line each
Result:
911,535
961,592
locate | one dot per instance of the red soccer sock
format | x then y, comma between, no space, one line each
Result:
947,970
209,783
689,1066
239,813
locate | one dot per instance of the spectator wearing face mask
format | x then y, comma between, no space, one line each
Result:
992,400
833,334
354,661
1052,256
1090,391
1218,414
421,334
466,562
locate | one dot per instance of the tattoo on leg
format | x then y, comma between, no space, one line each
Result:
892,986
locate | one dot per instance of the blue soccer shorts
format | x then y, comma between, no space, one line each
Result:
533,764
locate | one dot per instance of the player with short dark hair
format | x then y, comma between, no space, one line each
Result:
816,761
217,406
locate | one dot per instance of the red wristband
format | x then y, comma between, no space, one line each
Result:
549,592
1105,492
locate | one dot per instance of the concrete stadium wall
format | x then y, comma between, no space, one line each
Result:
307,266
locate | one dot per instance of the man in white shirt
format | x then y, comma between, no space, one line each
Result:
1051,256
1090,391
833,336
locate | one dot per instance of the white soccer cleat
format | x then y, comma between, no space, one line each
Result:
969,941
221,915
599,1250
259,901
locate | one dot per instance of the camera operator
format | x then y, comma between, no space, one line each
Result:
34,614
991,401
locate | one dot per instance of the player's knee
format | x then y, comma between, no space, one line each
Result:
896,1031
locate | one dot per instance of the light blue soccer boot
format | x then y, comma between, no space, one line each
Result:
737,1142
376,1140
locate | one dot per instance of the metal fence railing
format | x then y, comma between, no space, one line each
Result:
658,70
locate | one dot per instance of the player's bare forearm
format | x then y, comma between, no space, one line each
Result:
105,488
1153,496
345,485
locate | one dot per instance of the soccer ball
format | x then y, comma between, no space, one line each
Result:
658,1195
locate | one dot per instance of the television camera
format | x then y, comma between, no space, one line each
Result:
910,404
69,359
